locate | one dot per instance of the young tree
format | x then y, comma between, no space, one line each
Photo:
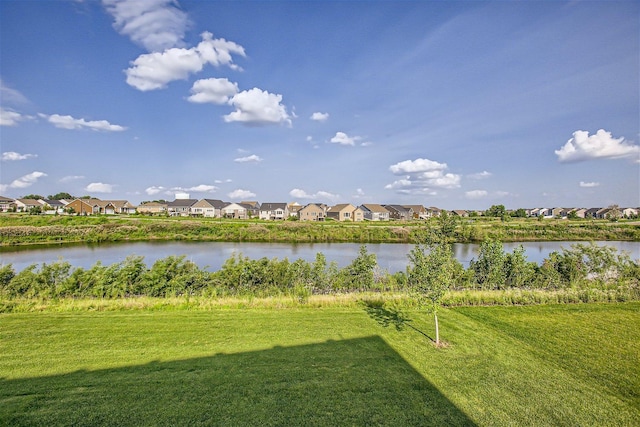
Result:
360,271
432,271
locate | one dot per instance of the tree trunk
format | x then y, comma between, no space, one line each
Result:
435,317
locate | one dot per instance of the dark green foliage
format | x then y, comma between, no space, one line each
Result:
497,211
59,196
359,274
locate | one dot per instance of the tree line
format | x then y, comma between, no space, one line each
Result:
431,268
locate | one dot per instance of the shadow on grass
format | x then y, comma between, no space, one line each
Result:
351,382
389,316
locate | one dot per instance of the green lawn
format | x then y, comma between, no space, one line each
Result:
534,365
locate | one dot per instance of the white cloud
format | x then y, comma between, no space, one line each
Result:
249,159
68,122
480,175
417,165
214,91
9,156
153,71
322,195
601,145
589,184
11,118
99,187
319,117
220,181
476,194
422,176
71,178
401,183
202,188
257,107
241,194
344,139
153,24
26,180
11,96
153,190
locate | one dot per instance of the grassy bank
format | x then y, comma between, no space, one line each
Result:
25,229
359,364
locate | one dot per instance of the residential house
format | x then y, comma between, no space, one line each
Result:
603,213
591,213
433,211
345,212
293,209
7,204
629,212
460,212
580,212
82,207
559,212
208,208
274,211
399,212
123,207
180,207
25,205
419,211
253,209
53,207
153,208
313,212
373,212
235,211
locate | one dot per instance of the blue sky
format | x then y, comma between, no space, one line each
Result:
449,104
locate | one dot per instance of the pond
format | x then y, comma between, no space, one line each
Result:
211,255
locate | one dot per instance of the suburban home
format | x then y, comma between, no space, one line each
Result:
629,212
235,211
399,212
559,212
460,212
603,213
253,209
208,208
433,211
591,212
25,205
6,204
82,207
53,206
153,208
419,211
579,212
312,212
274,211
293,209
345,212
180,207
373,212
123,207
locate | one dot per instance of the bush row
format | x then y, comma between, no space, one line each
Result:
583,267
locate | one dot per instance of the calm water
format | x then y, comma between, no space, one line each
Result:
391,257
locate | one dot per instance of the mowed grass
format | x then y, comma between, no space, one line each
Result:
368,365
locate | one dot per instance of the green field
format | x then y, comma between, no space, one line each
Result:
362,365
